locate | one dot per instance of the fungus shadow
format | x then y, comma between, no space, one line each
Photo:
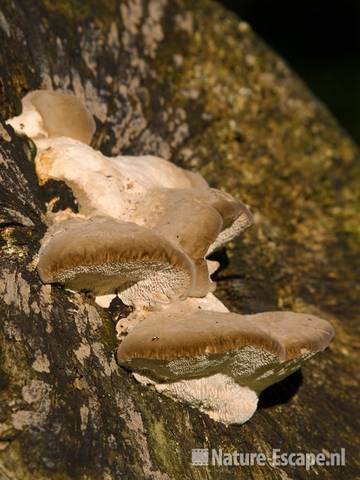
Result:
4,380
281,392
61,196
220,256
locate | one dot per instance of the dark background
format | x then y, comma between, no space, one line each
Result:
320,40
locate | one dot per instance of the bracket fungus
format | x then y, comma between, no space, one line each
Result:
105,256
144,230
47,114
204,219
240,353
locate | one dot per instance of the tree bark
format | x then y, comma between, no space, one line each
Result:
192,83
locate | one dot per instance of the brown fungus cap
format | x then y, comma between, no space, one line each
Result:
199,220
64,115
104,256
185,217
61,114
256,350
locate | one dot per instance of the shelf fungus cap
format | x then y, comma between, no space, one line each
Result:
117,187
183,215
148,191
186,217
254,350
236,218
105,256
54,114
199,220
155,172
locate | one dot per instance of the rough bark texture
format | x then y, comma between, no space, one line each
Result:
187,81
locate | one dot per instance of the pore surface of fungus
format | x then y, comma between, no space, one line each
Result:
219,396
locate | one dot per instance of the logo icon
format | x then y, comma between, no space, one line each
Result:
200,456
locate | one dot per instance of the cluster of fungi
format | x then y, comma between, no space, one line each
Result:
143,232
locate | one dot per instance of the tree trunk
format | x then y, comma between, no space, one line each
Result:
190,82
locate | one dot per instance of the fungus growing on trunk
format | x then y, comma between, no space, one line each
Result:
53,114
143,231
104,256
220,361
178,205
